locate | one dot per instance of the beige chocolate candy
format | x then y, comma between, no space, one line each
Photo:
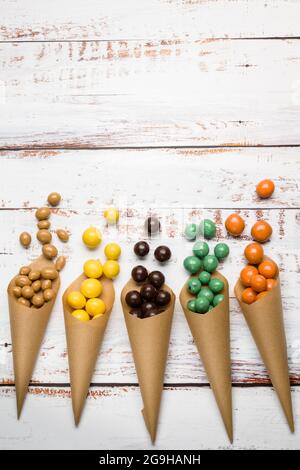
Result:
23,301
48,294
60,263
54,199
34,275
62,235
36,285
46,284
49,273
22,281
24,271
43,224
44,236
25,239
38,300
49,251
27,292
42,213
17,291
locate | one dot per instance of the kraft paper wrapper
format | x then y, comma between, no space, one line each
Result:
149,340
83,342
211,334
28,326
265,320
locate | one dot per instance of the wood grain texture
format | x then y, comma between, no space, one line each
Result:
150,93
153,19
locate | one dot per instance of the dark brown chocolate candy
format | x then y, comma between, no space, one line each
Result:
156,278
149,309
141,249
139,274
162,253
137,312
152,225
162,298
148,292
133,299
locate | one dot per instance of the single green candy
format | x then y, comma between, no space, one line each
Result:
208,228
191,305
216,285
194,285
191,231
207,293
218,299
211,307
210,263
204,277
221,250
192,264
201,249
202,305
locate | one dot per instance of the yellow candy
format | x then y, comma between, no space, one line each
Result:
92,268
112,251
76,300
112,215
97,316
95,307
81,315
92,237
111,269
91,288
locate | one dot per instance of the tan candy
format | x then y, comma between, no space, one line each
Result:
24,271
27,292
62,235
23,301
34,275
42,213
60,263
49,251
25,239
48,294
46,284
38,300
43,224
49,273
36,285
44,236
17,291
22,281
54,199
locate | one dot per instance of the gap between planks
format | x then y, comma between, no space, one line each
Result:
265,383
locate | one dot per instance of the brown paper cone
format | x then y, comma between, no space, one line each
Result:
212,337
149,339
265,320
28,327
84,341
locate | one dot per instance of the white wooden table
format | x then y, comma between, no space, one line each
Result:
172,106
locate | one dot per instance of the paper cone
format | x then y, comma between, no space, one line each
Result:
212,337
84,341
265,320
149,340
28,326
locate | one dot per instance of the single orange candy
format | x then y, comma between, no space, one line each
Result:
261,294
248,296
265,188
234,224
261,231
254,253
258,283
246,275
268,269
271,283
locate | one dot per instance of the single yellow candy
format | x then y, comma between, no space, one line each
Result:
92,268
111,269
91,237
112,251
98,316
95,307
81,315
76,300
91,288
112,215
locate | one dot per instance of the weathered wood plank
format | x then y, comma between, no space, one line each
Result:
140,19
157,93
258,420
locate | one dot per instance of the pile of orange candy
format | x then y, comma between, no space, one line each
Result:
259,276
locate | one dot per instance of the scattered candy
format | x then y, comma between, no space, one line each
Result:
112,251
234,224
54,199
208,228
62,235
111,269
139,274
265,188
43,224
92,268
191,231
152,225
42,213
210,263
162,253
44,236
200,249
141,249
261,231
254,253
111,215
25,239
221,251
92,237
192,264
91,288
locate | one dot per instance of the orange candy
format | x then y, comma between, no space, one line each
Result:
271,283
261,294
248,296
265,188
258,283
268,269
261,231
254,253
234,224
246,275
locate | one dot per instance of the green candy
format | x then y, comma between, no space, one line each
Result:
221,250
191,305
194,285
192,264
191,231
218,299
216,285
207,293
204,277
202,305
201,249
208,228
210,263
211,307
